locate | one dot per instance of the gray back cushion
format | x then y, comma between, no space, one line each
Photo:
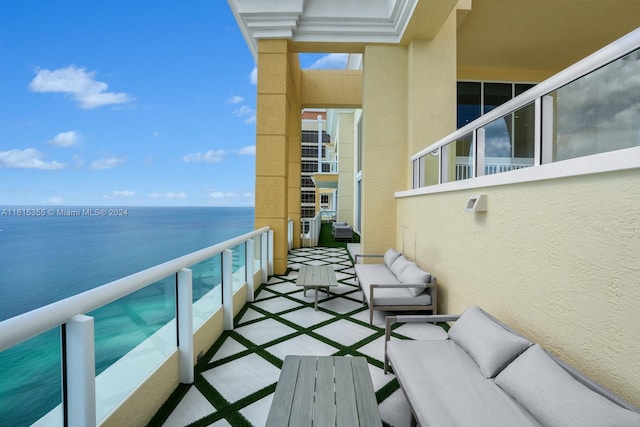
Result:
414,275
390,257
489,344
399,265
554,397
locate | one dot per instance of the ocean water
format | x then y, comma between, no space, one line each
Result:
46,256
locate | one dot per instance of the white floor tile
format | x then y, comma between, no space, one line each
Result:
250,315
192,407
395,410
242,377
277,305
228,348
257,412
284,287
374,349
302,345
307,317
344,332
264,331
340,305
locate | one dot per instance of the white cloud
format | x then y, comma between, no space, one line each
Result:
55,200
108,163
168,195
248,113
124,194
65,139
249,150
253,76
29,158
235,100
78,83
331,61
211,156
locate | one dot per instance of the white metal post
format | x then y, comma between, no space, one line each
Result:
270,252
185,325
480,138
249,268
80,379
319,143
227,289
264,263
547,129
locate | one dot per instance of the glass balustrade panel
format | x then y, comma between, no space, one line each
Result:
459,159
133,336
510,141
597,113
239,276
30,383
207,289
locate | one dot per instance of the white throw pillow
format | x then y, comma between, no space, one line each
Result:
490,345
414,275
390,257
554,397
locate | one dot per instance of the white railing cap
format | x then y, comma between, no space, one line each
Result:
35,322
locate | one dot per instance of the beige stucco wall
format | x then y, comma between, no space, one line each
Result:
409,101
557,260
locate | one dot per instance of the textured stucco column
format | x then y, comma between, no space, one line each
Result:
277,131
409,102
345,175
384,148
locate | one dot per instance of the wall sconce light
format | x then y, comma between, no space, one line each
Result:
477,203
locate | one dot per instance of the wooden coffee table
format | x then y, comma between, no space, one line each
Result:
316,277
324,391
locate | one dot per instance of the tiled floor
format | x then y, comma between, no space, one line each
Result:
235,385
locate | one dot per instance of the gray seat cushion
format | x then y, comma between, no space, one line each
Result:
447,388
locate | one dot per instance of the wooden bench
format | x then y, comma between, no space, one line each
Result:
324,391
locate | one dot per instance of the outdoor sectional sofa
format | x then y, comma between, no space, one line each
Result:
482,373
396,284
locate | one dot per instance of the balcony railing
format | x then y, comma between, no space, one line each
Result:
589,108
165,291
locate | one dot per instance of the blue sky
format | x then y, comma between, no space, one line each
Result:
127,103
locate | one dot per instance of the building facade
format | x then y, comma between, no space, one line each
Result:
555,253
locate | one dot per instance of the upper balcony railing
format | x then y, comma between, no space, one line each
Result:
108,340
589,108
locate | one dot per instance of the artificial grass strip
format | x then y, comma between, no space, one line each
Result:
231,411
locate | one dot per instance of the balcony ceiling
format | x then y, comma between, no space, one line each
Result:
541,35
544,35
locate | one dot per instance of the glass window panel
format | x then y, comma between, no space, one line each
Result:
599,112
469,102
30,382
521,88
496,94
